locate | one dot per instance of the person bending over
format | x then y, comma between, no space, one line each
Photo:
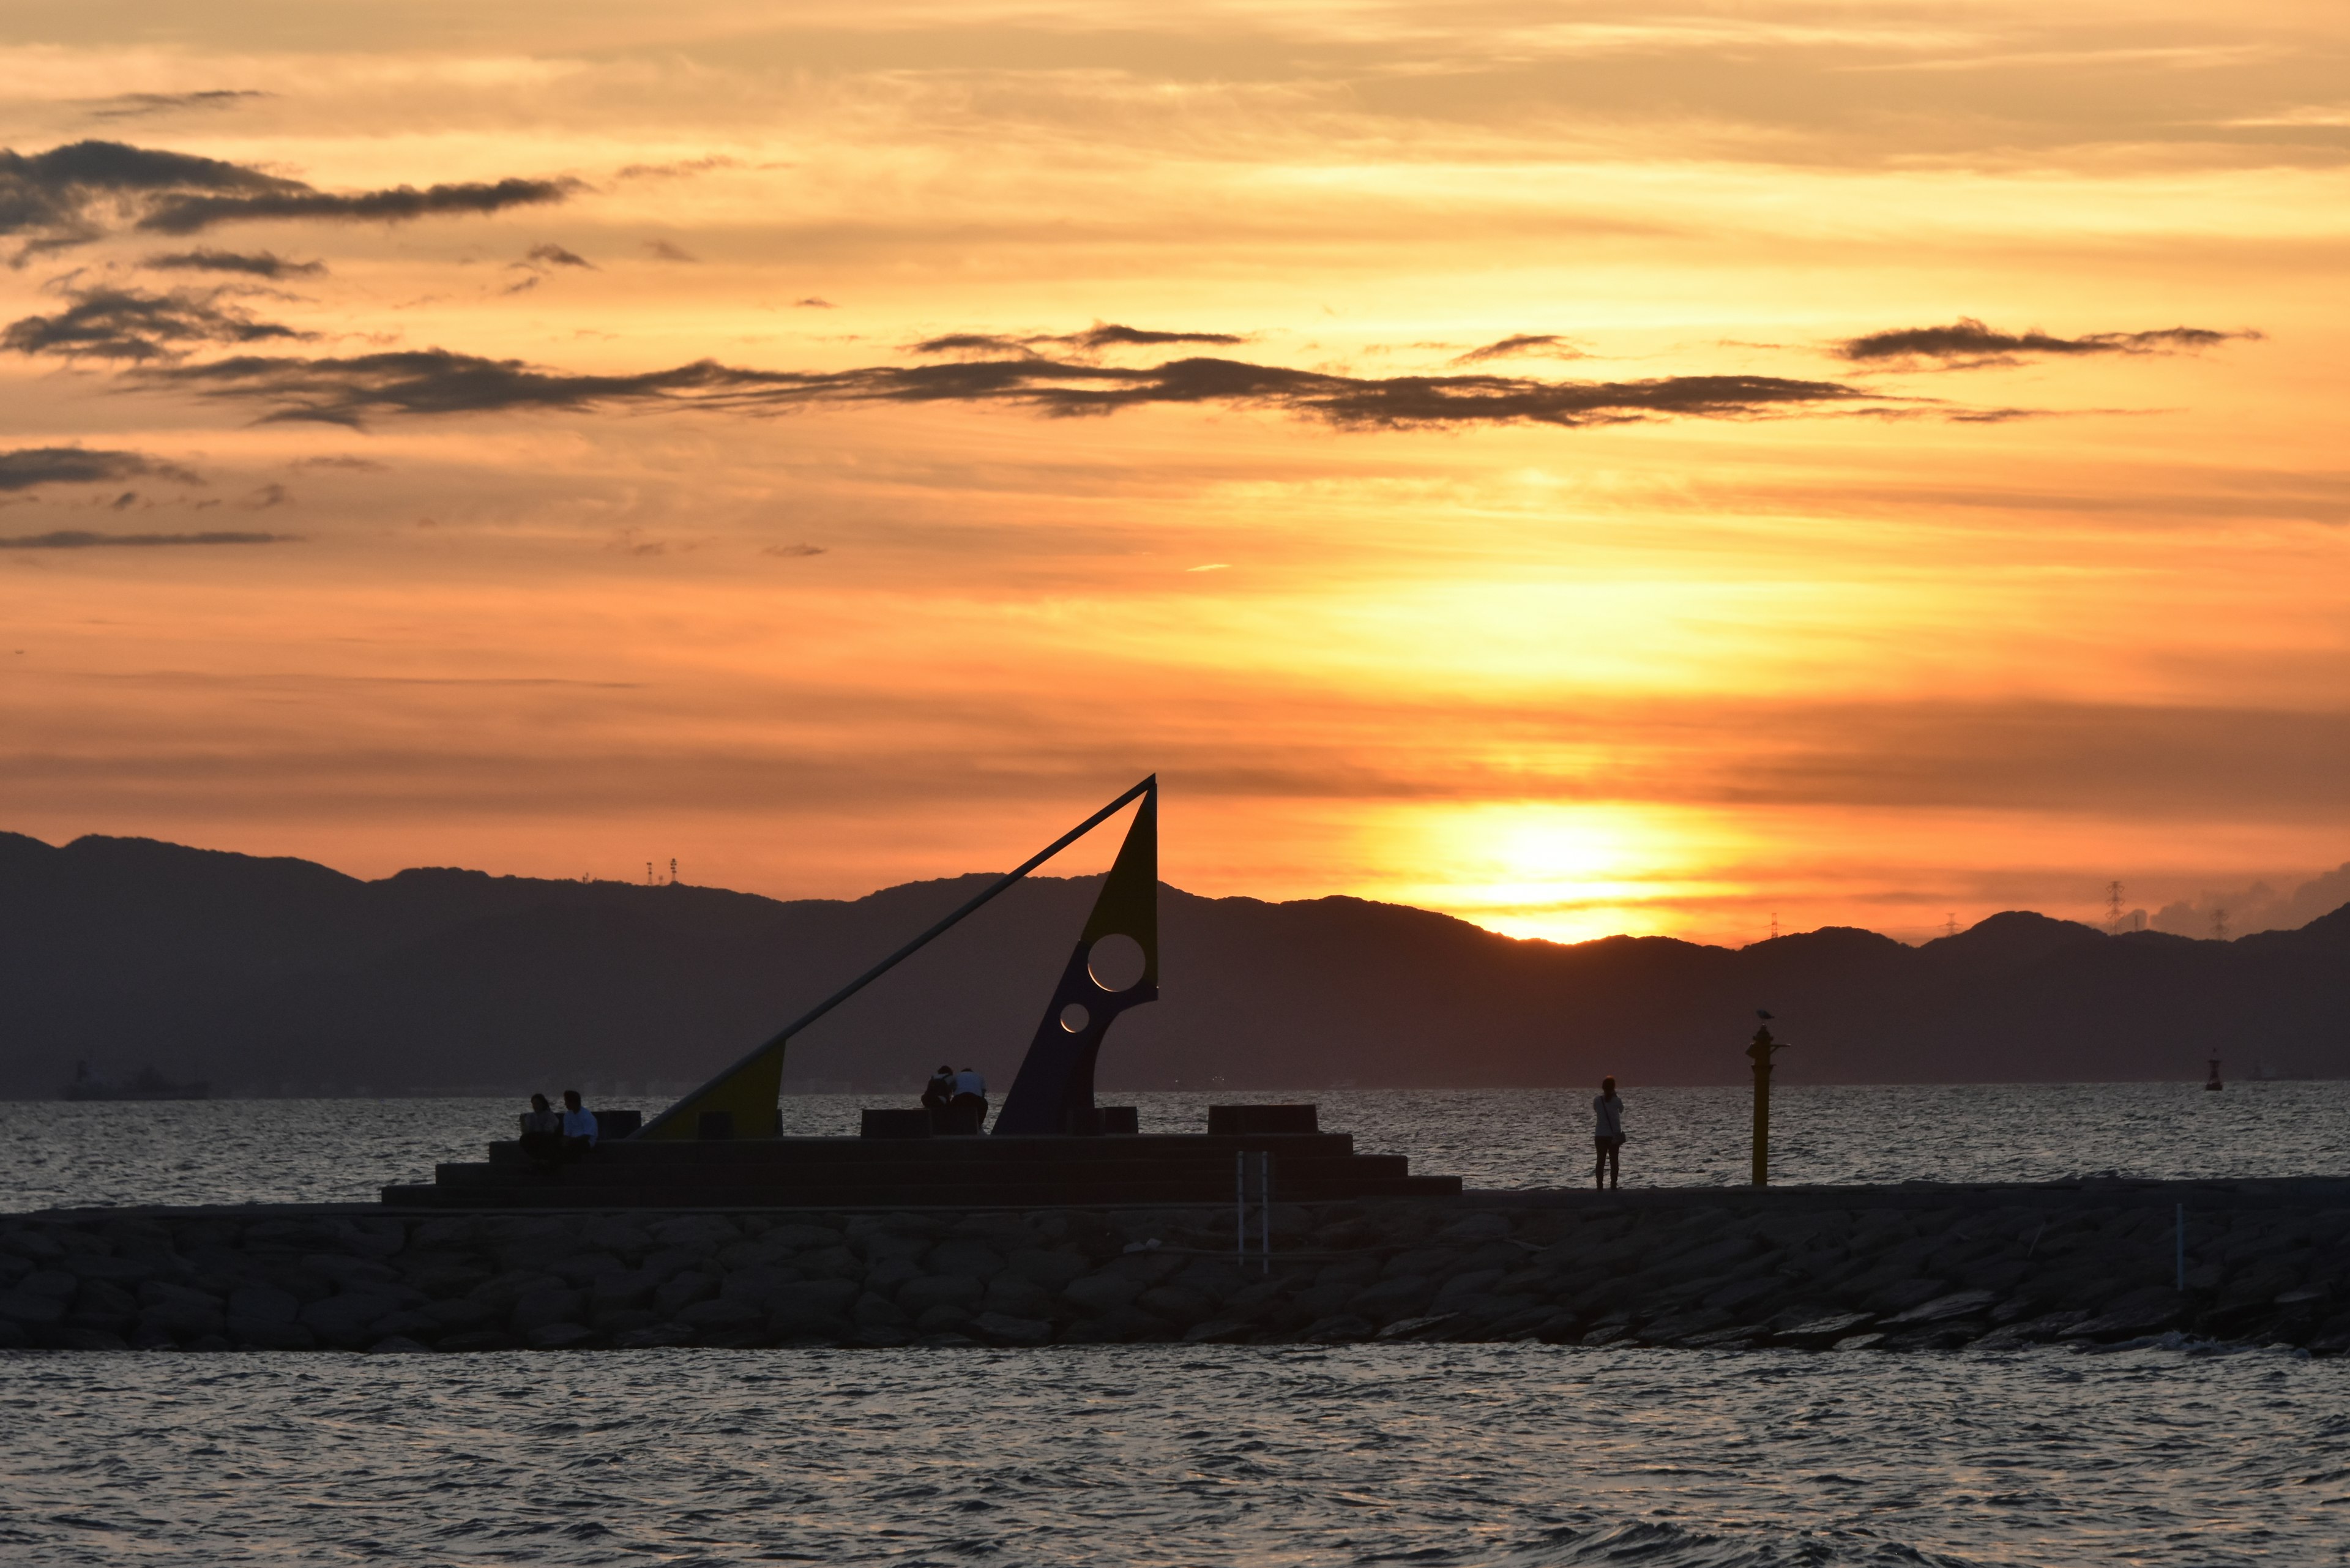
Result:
1609,1136
578,1127
970,1097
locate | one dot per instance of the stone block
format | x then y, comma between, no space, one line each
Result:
813,1301
1339,1329
84,1339
722,1314
633,1288
50,1283
917,1296
564,1336
348,1322
585,1269
1017,1297
178,1311
681,1291
1907,1293
263,1303
870,1311
479,1339
258,1335
1954,1304
1415,1327
100,1266
944,1318
660,1336
1000,1328
398,1345
463,1313
554,1303
1052,1270
33,1309
1175,1303
1459,1286
1396,1297
1102,1292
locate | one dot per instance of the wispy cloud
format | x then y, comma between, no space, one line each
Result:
189,214
554,255
71,195
81,539
249,264
137,105
106,322
1548,344
61,197
1101,334
1968,342
349,391
28,467
661,250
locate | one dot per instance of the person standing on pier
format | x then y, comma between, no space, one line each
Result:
1608,1135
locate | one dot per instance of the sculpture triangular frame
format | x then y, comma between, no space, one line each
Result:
741,1101
1054,1090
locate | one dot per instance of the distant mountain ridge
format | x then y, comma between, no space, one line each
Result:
279,975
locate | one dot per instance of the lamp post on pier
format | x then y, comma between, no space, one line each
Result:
1759,1052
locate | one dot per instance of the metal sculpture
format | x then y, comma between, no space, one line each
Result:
740,1101
1054,1090
1759,1050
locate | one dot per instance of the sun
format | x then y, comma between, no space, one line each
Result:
1565,871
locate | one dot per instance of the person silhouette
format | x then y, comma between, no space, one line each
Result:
1607,1135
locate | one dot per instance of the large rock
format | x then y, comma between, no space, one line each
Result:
177,1311
1000,1328
349,1321
917,1296
1104,1292
552,1303
263,1304
1051,1269
812,1303
33,1309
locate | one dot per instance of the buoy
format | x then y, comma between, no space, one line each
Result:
2213,1081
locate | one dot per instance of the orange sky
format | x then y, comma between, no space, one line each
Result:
1709,601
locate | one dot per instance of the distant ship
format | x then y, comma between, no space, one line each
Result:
148,1084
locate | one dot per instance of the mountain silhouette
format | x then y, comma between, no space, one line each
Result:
275,975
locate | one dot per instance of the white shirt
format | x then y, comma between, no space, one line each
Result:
970,1082
1610,1111
580,1123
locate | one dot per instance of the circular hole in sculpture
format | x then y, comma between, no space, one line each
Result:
1074,1018
1116,962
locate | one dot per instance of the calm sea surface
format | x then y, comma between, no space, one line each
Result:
235,1151
1421,1454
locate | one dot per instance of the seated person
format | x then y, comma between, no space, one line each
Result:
971,1098
542,1134
578,1127
938,1093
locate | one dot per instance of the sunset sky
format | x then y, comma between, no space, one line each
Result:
1584,467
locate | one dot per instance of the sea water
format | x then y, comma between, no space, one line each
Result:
319,1151
1421,1454
1429,1455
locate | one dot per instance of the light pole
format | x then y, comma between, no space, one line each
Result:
1759,1052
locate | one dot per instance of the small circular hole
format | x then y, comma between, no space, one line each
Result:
1116,962
1074,1018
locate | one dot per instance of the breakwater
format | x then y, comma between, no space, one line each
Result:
1816,1268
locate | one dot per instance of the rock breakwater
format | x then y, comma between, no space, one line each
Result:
2268,1263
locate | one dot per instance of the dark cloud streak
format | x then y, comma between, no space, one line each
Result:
187,214
349,391
248,264
80,539
1969,342
1548,343
29,467
127,324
